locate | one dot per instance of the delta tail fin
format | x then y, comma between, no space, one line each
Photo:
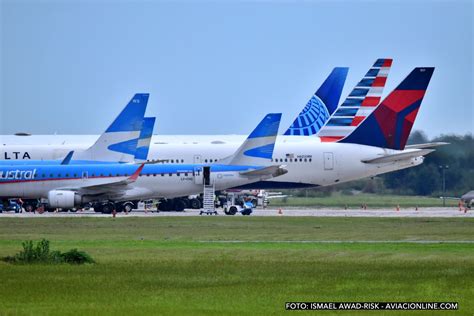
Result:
143,146
257,149
119,142
390,124
321,105
362,101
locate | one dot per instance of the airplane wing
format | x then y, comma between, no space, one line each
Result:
109,186
399,156
271,171
426,145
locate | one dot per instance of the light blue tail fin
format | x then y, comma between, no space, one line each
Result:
257,149
144,141
119,142
321,105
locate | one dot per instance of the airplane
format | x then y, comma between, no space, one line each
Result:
70,185
310,161
126,140
322,111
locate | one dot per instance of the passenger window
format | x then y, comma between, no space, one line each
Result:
170,174
205,160
162,174
310,159
182,160
177,174
286,160
305,160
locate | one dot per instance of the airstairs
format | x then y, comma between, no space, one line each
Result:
209,207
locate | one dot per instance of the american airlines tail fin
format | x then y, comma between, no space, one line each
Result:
119,142
143,146
362,101
257,149
390,124
321,105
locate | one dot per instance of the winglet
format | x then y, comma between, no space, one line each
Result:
135,175
67,159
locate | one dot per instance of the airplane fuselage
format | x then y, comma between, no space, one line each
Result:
309,161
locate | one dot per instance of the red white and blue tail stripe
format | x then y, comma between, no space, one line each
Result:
363,99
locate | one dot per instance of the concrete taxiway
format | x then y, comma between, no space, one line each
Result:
381,212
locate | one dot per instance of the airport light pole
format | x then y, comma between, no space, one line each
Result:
443,169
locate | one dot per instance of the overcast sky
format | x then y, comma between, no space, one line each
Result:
69,67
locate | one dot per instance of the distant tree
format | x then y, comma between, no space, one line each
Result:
417,137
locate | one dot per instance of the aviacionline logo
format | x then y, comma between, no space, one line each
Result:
18,174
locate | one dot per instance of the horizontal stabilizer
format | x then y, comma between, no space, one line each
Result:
426,145
271,171
399,156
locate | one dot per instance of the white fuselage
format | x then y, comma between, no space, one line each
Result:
307,160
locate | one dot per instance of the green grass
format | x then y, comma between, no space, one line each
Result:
355,201
173,265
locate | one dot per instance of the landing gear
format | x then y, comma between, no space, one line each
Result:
108,207
195,204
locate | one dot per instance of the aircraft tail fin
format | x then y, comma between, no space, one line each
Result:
390,124
143,146
321,105
119,142
257,149
362,101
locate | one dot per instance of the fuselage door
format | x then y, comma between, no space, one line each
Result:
206,175
197,173
328,161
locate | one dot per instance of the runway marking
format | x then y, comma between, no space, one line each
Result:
344,241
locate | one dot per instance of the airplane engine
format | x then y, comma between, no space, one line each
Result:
63,199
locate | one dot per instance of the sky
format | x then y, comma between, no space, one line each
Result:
217,67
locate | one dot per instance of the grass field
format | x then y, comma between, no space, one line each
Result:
355,201
192,265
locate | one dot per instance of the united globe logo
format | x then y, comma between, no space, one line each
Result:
311,119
